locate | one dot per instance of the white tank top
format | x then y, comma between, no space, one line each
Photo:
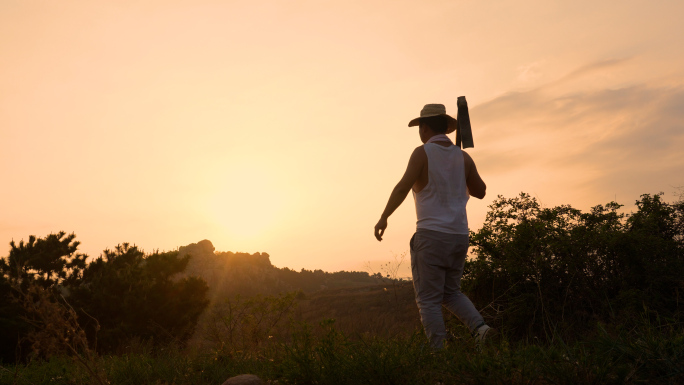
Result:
441,205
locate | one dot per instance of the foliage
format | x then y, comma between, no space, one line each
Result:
547,272
46,261
12,324
650,352
51,263
581,297
129,294
135,296
57,330
249,323
390,272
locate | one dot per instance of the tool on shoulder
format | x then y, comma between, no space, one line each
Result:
464,135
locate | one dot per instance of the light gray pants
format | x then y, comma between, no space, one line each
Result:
437,261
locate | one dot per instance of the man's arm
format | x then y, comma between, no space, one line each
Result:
476,186
401,190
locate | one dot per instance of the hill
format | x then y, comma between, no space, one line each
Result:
245,284
228,273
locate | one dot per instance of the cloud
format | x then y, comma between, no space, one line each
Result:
552,102
530,72
589,69
626,139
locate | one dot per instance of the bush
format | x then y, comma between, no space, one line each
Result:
128,294
134,296
546,272
50,263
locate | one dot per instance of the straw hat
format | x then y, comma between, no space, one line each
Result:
435,110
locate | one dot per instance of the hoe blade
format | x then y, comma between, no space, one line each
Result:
464,135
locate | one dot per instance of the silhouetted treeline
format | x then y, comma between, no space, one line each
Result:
556,272
122,295
126,295
229,273
538,272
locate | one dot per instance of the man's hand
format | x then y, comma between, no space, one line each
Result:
380,228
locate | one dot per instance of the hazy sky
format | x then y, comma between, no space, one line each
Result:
281,126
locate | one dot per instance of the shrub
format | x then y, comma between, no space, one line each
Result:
134,296
546,272
129,294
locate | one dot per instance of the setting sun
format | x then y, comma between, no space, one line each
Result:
244,203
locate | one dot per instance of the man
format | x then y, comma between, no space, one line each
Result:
442,178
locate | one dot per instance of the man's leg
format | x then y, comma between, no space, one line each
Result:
428,282
454,300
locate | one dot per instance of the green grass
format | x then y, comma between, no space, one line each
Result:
323,355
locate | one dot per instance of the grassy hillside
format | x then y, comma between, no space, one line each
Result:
383,310
580,297
376,350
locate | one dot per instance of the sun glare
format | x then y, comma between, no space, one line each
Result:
248,204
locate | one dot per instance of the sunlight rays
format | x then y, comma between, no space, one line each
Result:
247,203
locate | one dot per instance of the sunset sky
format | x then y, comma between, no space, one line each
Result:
281,126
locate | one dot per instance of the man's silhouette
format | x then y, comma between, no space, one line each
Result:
442,177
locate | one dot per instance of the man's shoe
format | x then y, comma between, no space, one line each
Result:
485,334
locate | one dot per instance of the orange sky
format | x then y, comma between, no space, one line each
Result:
280,126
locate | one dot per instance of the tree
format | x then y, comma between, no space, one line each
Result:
555,271
124,293
136,296
47,261
50,262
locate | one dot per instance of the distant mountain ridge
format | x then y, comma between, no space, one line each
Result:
229,273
